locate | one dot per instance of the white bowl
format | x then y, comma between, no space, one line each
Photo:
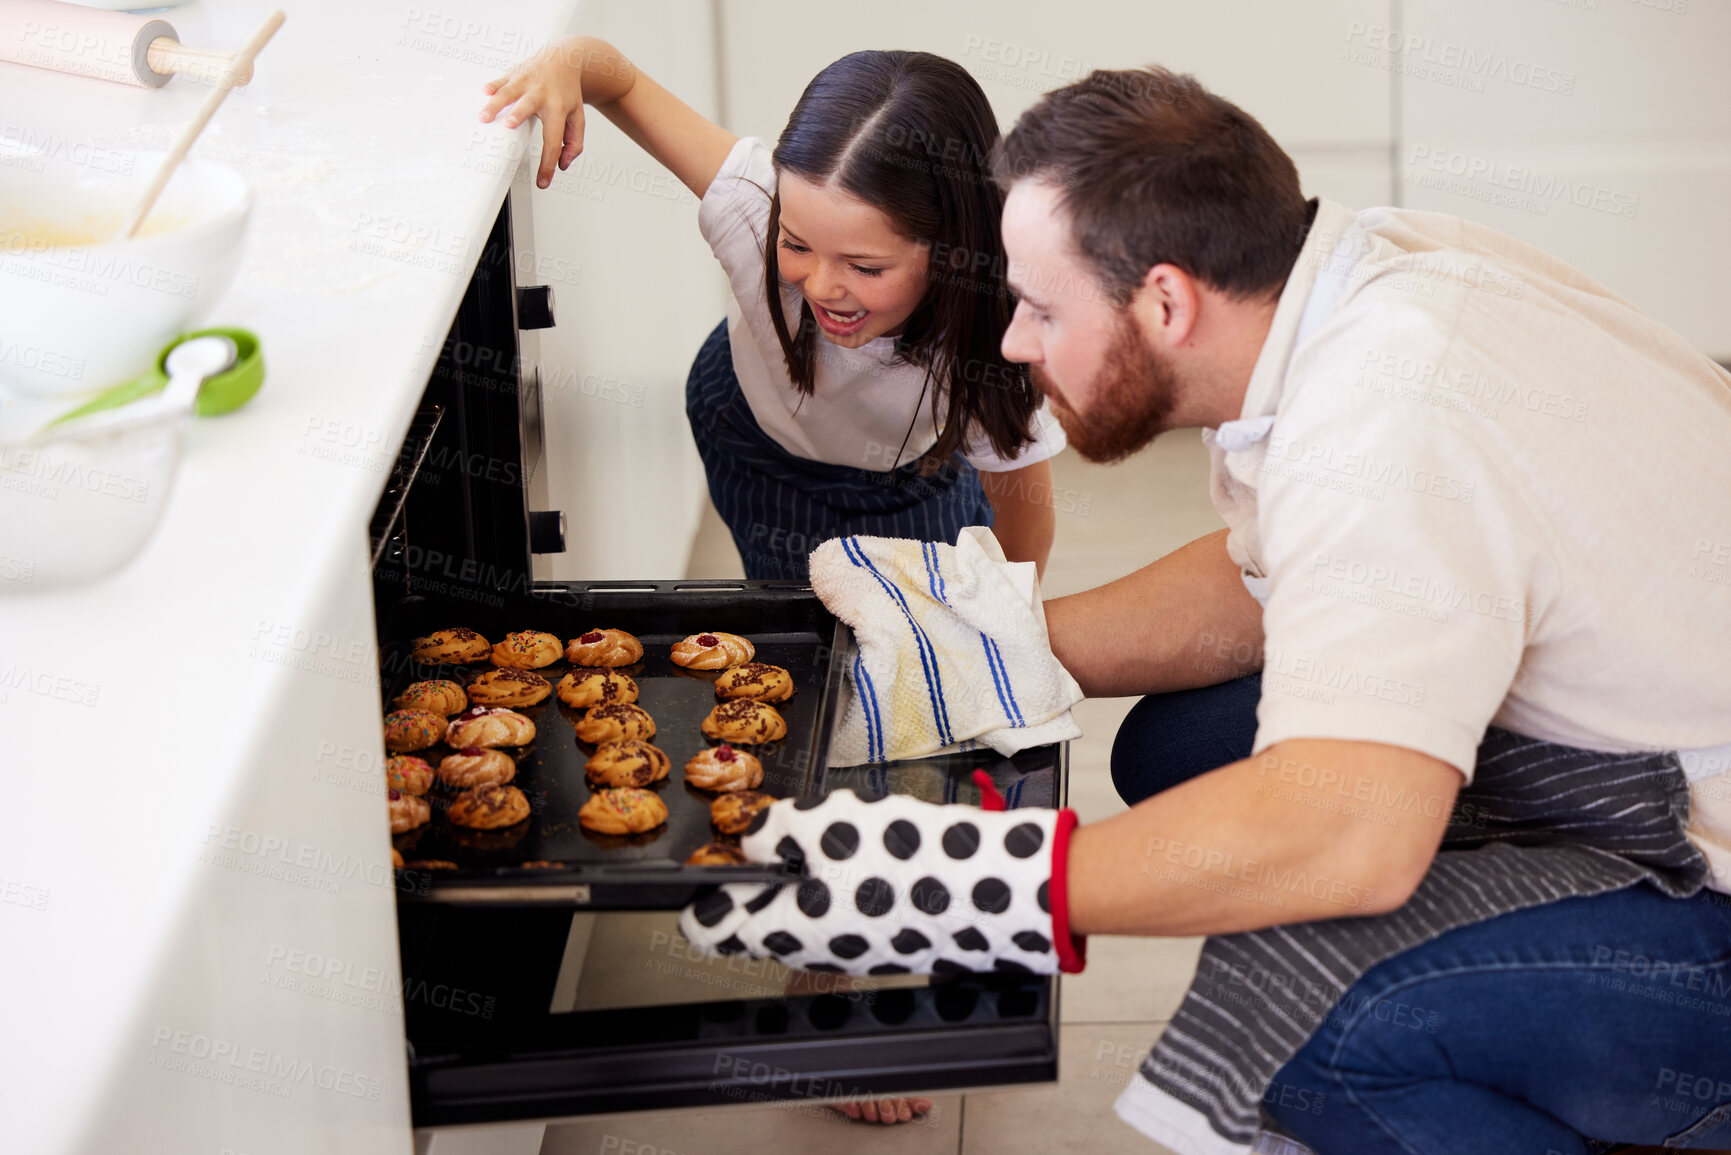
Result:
76,509
80,311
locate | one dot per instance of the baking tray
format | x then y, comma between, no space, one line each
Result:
790,628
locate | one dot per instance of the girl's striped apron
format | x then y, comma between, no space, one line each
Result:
780,507
1540,822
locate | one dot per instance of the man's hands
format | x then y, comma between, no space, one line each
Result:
898,886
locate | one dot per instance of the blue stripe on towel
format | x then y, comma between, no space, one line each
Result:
934,574
1010,692
997,684
1001,683
869,703
928,655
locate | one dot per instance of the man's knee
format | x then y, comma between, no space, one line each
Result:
1149,755
1171,738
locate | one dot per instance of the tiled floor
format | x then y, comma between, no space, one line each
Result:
1111,520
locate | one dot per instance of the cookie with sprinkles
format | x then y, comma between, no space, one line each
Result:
626,810
615,722
745,720
527,650
588,686
458,646
488,808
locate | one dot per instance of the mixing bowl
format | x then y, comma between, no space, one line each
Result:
81,310
76,509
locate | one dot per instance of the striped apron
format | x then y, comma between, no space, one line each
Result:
780,507
1540,822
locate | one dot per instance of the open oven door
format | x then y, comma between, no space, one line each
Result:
534,990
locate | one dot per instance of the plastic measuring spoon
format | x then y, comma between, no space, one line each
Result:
189,365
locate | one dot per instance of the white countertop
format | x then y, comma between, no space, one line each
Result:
191,744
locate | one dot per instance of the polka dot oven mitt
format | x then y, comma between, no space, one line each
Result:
897,886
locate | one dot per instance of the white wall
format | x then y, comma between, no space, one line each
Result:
1646,123
636,291
1642,136
1626,175
1278,59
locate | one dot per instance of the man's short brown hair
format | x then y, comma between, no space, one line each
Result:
1152,168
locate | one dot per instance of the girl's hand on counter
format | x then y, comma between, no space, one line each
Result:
553,85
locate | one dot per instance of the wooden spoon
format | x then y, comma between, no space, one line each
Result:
239,67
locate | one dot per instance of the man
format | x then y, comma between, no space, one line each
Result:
1453,838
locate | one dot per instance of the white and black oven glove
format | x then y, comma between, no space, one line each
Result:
899,886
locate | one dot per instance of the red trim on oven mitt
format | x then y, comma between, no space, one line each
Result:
1072,950
990,799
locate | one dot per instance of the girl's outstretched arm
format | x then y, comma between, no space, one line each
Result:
555,83
1022,511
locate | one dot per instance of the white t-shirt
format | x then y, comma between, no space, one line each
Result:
1471,486
863,400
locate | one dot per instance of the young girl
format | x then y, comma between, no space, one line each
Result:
857,385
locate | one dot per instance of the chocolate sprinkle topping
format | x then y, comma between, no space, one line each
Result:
511,674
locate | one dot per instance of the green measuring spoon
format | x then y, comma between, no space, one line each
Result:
224,393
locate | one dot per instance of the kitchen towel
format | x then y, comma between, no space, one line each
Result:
952,649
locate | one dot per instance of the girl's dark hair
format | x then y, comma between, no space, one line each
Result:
912,135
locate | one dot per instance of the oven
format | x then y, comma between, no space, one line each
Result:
543,976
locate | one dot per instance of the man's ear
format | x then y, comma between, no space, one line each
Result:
1165,306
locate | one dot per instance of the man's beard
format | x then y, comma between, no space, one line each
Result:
1132,399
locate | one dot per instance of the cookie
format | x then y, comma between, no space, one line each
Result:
712,651
724,768
716,854
745,720
440,697
407,811
489,807
490,726
732,813
756,680
615,722
396,859
476,766
623,811
526,650
408,774
452,647
603,648
509,687
408,730
433,864
632,762
595,686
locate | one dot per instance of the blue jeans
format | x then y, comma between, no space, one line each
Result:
1606,1017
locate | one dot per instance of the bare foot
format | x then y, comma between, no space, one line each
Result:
884,1110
